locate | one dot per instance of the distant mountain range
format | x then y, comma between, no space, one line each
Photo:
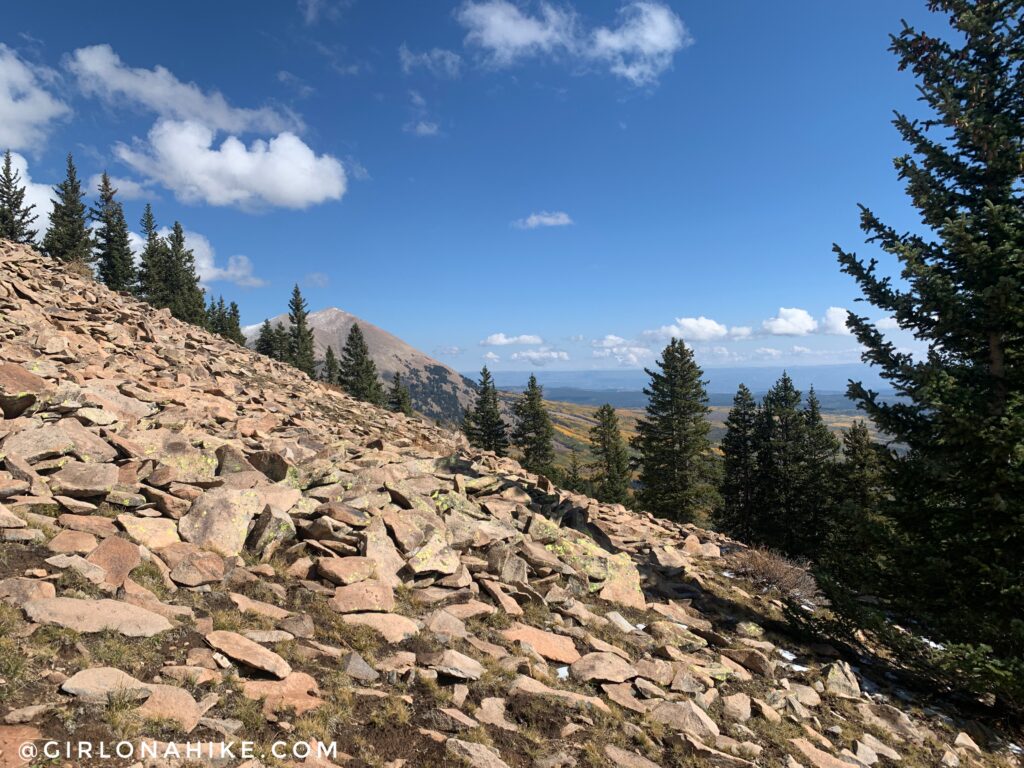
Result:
437,391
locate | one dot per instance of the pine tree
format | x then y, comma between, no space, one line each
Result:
114,261
332,372
739,448
533,433
612,477
266,343
817,497
68,238
16,218
399,399
958,490
300,334
282,343
153,263
358,371
185,297
676,466
233,325
483,425
575,479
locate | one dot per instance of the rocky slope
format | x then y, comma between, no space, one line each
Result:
202,547
438,392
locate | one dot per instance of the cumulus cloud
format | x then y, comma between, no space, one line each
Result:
507,34
619,349
450,350
283,171
501,340
490,357
39,195
27,108
887,324
238,270
834,322
437,61
769,352
541,356
698,329
544,219
101,73
799,350
639,49
790,321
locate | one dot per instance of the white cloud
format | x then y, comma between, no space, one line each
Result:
27,108
451,350
834,322
540,356
887,324
642,47
799,350
491,357
769,352
508,34
501,340
622,351
101,72
316,280
127,189
698,329
281,172
609,341
39,195
791,321
741,331
544,219
422,128
437,61
639,49
238,270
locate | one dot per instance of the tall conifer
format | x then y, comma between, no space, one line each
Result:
115,264
332,371
68,238
612,477
739,448
483,425
153,263
300,334
358,371
399,399
185,297
16,218
533,433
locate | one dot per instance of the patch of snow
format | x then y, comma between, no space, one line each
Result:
787,655
563,673
729,574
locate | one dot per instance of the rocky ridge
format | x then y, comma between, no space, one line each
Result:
198,544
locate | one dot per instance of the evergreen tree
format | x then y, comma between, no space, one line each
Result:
282,343
114,260
399,399
574,479
153,264
300,334
739,448
676,466
958,489
233,326
16,218
68,238
483,425
266,343
185,298
332,372
358,371
533,433
612,477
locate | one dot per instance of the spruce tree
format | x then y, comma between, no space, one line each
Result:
534,434
184,295
399,399
16,218
115,264
483,425
233,325
153,275
282,343
358,371
266,343
575,480
739,449
300,334
331,372
68,238
958,489
612,477
676,466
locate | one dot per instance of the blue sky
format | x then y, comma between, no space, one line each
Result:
527,184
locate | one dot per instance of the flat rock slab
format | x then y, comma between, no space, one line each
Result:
151,532
244,650
96,616
346,570
96,684
298,692
219,519
549,645
452,664
83,481
370,595
473,754
18,589
169,702
117,557
602,667
390,626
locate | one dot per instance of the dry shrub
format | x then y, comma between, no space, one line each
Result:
771,569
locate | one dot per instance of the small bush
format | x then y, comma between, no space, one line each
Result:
792,578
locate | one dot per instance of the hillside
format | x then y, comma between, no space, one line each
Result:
201,546
437,391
